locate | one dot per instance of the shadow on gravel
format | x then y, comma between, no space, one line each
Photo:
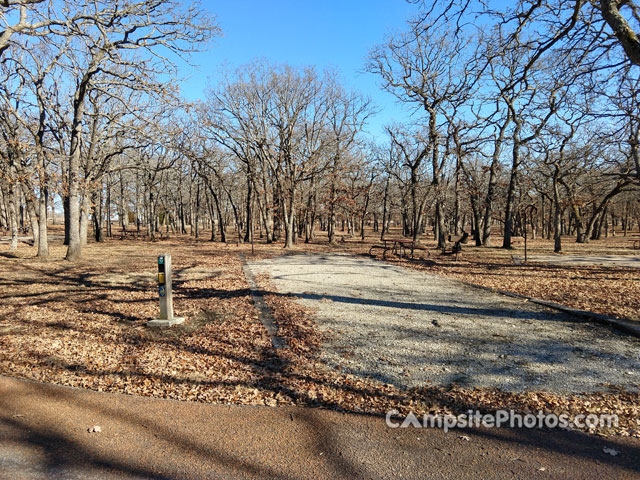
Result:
506,313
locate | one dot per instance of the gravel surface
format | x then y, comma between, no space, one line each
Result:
586,260
408,328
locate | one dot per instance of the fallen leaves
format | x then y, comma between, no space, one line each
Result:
93,336
83,325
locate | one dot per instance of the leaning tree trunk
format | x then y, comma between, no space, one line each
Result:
416,217
364,215
477,223
212,216
597,231
599,210
222,229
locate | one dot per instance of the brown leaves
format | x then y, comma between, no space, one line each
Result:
83,325
294,321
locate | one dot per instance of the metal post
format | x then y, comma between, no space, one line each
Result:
165,293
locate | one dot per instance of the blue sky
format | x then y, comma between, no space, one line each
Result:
323,33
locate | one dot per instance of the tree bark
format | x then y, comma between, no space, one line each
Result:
13,216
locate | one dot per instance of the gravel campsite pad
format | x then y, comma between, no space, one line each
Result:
409,328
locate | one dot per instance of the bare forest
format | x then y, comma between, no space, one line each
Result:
472,248
521,118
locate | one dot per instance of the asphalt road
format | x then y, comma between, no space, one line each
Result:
44,434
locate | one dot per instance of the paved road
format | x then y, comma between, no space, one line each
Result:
43,435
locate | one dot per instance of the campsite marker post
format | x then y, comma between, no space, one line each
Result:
165,293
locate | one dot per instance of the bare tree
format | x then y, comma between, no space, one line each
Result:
103,47
429,66
348,112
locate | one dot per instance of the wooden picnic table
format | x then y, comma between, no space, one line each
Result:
398,246
133,234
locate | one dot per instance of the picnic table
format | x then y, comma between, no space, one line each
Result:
636,242
132,234
398,246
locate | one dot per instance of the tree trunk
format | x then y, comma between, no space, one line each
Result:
385,200
13,217
456,203
248,236
508,212
67,223
33,216
441,224
74,250
43,240
84,217
364,216
289,217
557,216
96,215
123,211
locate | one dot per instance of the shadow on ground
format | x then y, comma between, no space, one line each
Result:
43,434
43,429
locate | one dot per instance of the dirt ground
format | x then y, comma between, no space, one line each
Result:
606,289
83,325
